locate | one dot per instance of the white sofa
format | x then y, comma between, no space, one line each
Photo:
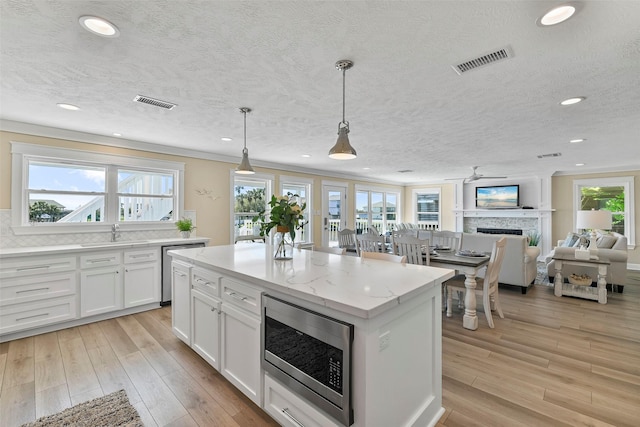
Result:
519,265
616,253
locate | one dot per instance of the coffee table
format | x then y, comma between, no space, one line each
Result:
598,293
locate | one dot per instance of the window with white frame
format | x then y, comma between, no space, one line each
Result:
302,187
249,198
378,209
426,205
611,194
67,188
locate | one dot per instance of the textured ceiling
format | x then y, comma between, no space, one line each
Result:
408,109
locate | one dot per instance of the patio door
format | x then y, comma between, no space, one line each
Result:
334,205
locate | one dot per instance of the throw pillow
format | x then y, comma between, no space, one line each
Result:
571,240
606,241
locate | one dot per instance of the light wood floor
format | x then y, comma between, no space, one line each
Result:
551,361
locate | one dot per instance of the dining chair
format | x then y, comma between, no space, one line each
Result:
329,250
447,239
424,234
416,250
369,242
486,286
384,257
347,240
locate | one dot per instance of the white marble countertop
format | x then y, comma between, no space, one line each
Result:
122,244
363,288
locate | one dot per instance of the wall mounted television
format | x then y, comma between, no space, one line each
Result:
498,197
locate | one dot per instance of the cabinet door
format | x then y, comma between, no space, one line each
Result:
240,346
205,327
100,290
181,301
141,284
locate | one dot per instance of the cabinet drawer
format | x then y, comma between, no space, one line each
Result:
100,259
290,410
142,255
32,288
241,295
32,314
206,281
39,265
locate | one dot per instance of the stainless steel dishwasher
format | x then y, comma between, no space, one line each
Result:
166,269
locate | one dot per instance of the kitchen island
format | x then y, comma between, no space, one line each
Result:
395,310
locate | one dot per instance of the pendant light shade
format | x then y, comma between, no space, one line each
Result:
343,149
244,167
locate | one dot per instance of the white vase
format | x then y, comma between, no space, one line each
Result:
185,234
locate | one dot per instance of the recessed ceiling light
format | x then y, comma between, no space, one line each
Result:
226,139
572,101
575,141
366,169
99,26
68,106
579,164
117,134
306,155
557,15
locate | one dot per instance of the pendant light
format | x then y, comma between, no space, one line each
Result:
343,149
244,167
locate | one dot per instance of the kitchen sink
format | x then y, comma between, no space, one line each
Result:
118,243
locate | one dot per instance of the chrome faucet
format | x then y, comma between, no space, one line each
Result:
115,232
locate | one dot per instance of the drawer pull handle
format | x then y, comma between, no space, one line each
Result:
204,282
32,290
213,309
181,274
35,267
100,260
288,414
236,296
31,317
140,256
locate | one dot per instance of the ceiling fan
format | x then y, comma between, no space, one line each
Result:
475,176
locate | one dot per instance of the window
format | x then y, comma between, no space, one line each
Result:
66,189
250,197
302,187
610,194
426,204
377,209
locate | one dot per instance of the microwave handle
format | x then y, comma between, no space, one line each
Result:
288,414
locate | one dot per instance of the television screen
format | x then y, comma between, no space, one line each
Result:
499,196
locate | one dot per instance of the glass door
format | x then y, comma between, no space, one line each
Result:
334,204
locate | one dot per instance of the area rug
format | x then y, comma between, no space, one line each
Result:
111,410
542,278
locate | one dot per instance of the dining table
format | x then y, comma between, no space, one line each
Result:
468,265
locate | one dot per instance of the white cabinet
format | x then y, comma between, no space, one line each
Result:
289,410
37,291
240,338
181,301
205,315
100,283
141,277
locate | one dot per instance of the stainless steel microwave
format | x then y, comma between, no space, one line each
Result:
311,354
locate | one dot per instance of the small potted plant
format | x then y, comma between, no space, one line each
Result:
534,238
185,225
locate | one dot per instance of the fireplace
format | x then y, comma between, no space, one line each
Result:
514,231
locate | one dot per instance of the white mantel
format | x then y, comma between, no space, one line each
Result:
535,192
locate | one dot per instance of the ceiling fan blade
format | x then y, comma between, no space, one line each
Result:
491,177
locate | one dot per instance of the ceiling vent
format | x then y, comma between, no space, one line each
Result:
544,156
156,102
490,58
405,171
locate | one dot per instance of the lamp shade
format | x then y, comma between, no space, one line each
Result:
343,149
244,168
590,220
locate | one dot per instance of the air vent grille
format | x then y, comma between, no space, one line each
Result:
405,171
487,59
156,102
544,156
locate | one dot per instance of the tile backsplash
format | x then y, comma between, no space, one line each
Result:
10,240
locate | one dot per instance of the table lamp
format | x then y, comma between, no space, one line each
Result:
592,220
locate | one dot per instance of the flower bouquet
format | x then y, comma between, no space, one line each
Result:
286,216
